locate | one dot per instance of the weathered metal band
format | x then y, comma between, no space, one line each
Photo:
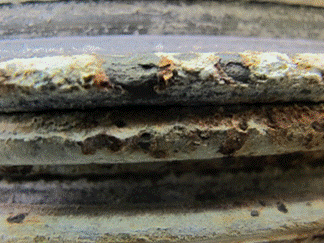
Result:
173,203
62,177
88,18
91,81
151,134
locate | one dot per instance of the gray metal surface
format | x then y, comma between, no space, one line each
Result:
129,45
80,161
88,18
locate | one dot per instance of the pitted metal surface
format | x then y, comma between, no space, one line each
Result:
90,81
187,121
150,134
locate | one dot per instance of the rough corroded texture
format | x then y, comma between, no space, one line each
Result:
57,74
159,173
158,134
89,81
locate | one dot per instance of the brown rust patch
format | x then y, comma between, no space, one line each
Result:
293,116
221,117
100,141
234,141
301,124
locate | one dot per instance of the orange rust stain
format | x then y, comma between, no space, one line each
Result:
101,80
273,117
250,59
301,125
166,72
164,62
292,116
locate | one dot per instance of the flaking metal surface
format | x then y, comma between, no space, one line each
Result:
89,81
76,168
151,134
